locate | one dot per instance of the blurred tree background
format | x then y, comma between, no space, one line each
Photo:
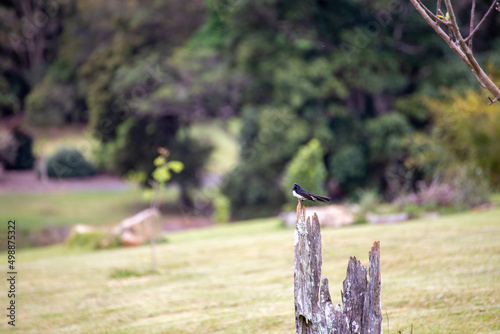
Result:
362,90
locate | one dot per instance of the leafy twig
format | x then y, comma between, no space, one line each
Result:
435,17
161,175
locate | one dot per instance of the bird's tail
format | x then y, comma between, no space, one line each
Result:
322,198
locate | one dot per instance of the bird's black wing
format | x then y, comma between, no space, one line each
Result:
306,195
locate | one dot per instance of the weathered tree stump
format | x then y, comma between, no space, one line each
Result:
314,310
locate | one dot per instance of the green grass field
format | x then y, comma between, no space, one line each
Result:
36,211
442,276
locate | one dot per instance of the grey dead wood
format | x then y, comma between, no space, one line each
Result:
315,312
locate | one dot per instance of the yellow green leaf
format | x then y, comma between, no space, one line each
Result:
175,166
161,174
160,160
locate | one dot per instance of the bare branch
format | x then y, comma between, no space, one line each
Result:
482,20
440,31
478,80
453,19
459,46
471,26
473,64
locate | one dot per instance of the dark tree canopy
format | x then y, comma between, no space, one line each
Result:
356,76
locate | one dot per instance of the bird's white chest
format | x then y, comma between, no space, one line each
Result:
297,195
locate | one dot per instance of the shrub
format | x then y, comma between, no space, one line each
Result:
368,202
307,168
473,187
460,152
466,187
91,239
467,130
69,162
16,150
413,210
222,208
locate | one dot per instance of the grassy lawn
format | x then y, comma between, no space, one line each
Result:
35,211
442,276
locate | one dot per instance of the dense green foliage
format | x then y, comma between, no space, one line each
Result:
55,100
460,150
69,162
468,131
9,102
16,149
308,168
50,104
355,76
352,75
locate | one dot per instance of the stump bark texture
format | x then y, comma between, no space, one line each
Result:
361,310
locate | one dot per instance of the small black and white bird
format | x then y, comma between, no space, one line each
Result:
301,194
